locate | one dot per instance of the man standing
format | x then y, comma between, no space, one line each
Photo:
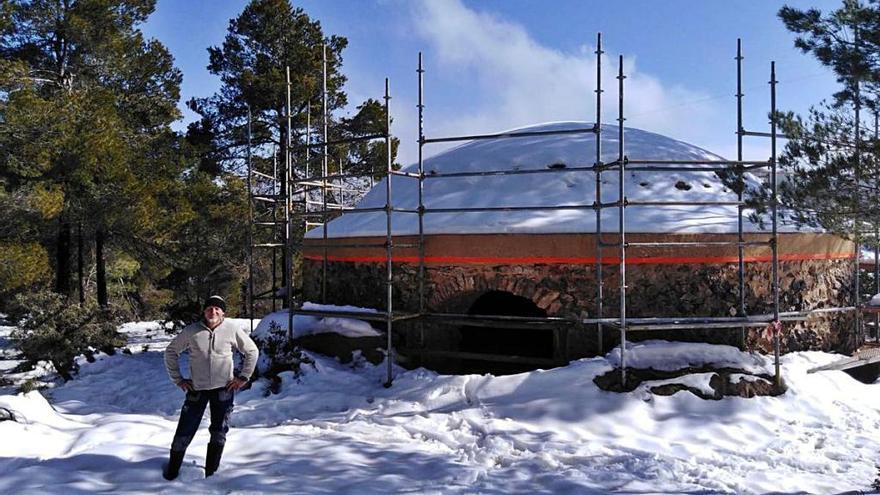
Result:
210,343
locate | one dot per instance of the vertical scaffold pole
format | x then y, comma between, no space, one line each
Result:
340,169
741,266
324,173
250,253
305,190
308,173
621,156
876,251
288,204
857,221
600,332
286,251
276,191
775,235
308,148
389,355
422,274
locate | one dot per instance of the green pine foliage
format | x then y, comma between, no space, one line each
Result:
51,328
846,40
91,170
23,266
210,245
279,355
366,157
268,37
830,175
86,105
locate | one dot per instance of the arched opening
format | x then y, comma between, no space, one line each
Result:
501,341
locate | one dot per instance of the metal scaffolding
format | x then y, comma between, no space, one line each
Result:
323,210
268,199
306,213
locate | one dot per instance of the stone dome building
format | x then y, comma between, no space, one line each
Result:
543,262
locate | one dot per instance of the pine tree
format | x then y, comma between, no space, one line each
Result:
845,40
87,104
830,174
208,254
268,37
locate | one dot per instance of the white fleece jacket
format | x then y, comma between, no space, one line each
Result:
210,354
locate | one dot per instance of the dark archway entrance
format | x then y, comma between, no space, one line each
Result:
495,341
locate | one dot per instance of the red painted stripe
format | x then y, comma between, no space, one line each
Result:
583,260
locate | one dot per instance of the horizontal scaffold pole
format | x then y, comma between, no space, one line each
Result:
636,202
507,208
406,174
345,141
261,174
498,358
762,134
491,173
314,180
505,135
630,161
692,243
359,246
547,320
685,323
319,185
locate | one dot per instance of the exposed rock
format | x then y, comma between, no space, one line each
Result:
673,388
7,415
725,382
746,387
342,347
569,291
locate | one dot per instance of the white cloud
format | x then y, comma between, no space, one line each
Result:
518,81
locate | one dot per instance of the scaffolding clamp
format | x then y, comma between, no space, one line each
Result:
773,329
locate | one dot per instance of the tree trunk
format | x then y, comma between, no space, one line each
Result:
79,265
63,369
62,259
101,271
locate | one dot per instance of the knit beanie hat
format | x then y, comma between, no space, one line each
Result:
215,301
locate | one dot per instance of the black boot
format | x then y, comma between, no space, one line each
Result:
172,469
212,460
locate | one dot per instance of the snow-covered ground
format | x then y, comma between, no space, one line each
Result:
336,429
308,325
8,355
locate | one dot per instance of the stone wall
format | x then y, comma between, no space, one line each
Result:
569,290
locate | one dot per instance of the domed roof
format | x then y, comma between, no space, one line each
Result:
561,188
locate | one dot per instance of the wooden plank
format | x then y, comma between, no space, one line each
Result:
504,324
862,358
498,358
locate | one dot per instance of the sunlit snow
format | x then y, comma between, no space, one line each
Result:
559,188
336,429
309,325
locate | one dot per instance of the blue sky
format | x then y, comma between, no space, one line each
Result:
494,65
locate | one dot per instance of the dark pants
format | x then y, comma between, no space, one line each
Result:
191,416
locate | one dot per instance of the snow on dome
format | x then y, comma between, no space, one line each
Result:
550,189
